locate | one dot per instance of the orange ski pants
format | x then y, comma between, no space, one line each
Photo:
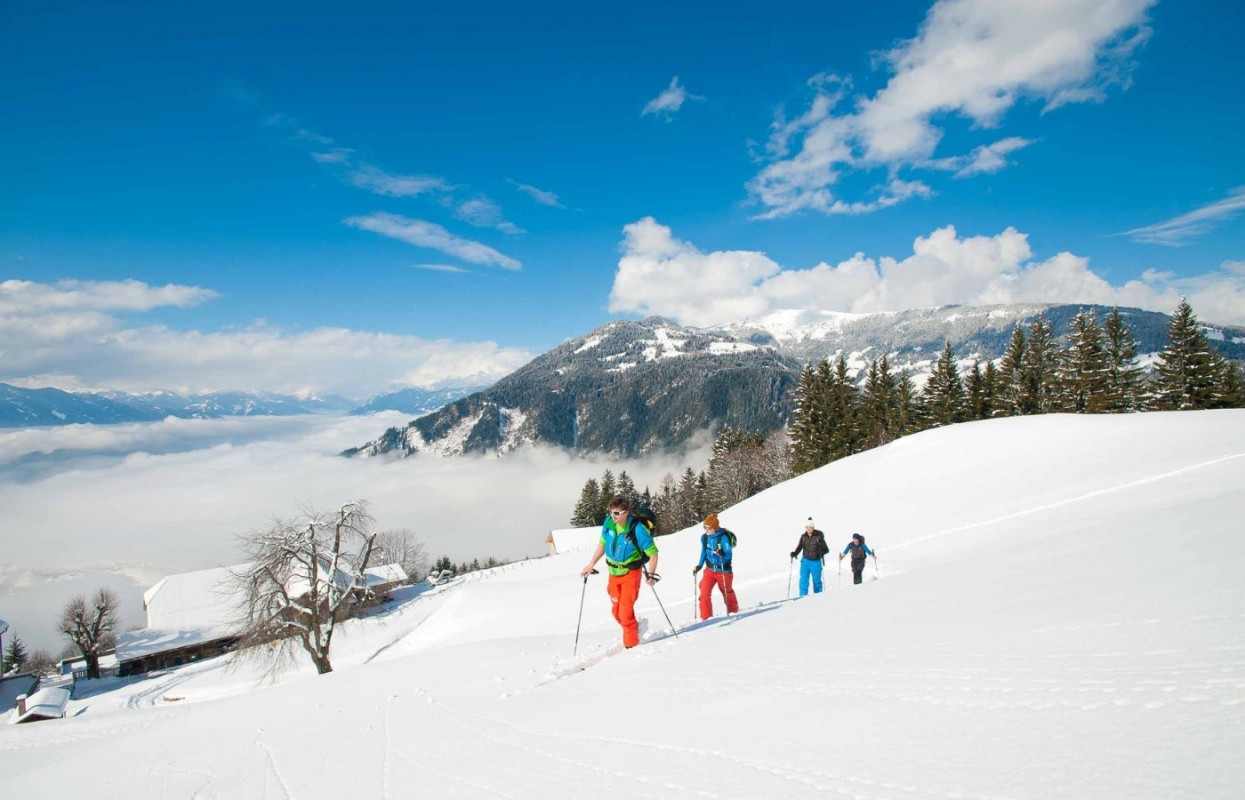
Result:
624,589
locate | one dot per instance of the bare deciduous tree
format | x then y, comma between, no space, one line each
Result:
305,576
91,626
401,547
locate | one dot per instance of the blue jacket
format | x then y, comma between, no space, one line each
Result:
620,554
715,551
858,551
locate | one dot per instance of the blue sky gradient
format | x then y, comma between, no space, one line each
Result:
444,189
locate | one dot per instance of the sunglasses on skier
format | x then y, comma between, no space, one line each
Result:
618,511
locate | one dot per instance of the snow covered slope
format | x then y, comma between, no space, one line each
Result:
1045,625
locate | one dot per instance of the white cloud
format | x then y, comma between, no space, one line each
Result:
27,297
539,195
131,499
669,101
422,233
339,155
974,58
984,160
70,335
1178,230
440,268
482,212
660,274
378,181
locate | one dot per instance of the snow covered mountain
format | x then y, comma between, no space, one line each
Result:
414,400
630,387
627,387
30,407
913,339
1056,612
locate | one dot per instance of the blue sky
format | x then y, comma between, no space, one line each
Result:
241,197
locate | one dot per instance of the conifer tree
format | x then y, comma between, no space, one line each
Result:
1233,385
844,434
665,505
609,490
1124,377
1083,369
626,488
14,656
977,403
878,405
1011,385
945,401
1041,356
588,511
1188,375
909,414
804,423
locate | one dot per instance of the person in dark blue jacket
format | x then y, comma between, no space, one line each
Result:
858,550
716,546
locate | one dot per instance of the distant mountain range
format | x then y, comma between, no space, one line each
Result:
21,408
32,407
630,387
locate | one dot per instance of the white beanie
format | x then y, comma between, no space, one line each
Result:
809,524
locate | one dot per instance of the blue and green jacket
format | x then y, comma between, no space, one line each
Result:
620,554
715,551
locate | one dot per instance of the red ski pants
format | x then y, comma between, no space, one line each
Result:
723,581
624,589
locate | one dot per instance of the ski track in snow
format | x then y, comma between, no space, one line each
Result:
1078,499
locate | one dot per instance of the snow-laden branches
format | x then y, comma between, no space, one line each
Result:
305,575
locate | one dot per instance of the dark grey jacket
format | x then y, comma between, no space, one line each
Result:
814,547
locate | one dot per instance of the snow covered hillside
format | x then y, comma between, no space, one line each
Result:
1060,613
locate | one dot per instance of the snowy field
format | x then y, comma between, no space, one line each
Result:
1059,613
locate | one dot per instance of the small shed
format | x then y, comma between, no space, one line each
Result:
49,703
383,579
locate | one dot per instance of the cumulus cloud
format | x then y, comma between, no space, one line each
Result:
72,334
1179,230
422,233
972,58
661,274
669,101
132,499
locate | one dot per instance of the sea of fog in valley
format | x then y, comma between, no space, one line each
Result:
121,506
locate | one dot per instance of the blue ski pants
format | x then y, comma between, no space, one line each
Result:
810,568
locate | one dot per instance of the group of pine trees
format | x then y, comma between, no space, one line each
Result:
474,565
740,465
1093,371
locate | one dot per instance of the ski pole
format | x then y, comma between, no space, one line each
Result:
654,577
695,597
575,652
876,572
790,572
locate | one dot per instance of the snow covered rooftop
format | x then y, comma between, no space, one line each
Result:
568,539
49,703
193,600
386,573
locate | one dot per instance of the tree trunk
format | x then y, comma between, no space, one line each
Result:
92,665
322,664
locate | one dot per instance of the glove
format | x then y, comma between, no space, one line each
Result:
793,556
695,569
